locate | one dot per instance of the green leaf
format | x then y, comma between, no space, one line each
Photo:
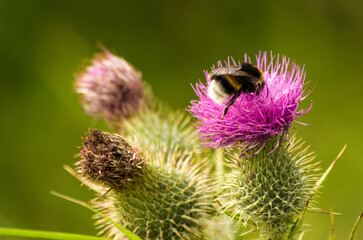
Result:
326,173
44,234
355,228
123,230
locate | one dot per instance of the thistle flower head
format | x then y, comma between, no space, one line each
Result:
253,119
109,159
111,88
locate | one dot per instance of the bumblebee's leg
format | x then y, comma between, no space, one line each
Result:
229,104
261,87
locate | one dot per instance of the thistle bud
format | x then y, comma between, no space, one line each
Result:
111,88
271,190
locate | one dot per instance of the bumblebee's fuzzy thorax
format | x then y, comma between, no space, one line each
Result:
228,81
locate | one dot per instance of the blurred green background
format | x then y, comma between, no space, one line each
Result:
45,43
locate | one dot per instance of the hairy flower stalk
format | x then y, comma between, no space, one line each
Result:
110,88
156,196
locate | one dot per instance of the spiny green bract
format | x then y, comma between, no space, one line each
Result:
162,127
157,126
271,189
171,201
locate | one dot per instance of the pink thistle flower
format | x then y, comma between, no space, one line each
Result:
111,88
253,119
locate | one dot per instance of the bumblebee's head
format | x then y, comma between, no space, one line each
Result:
253,70
260,87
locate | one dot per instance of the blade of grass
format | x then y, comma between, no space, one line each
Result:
301,235
332,235
94,187
123,230
326,173
248,232
44,234
299,221
330,213
355,228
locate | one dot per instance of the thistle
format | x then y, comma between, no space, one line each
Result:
252,120
160,189
269,177
154,181
110,88
158,196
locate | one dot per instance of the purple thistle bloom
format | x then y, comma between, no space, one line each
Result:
111,88
253,119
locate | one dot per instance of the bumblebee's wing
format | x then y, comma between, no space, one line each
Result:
234,73
239,74
230,71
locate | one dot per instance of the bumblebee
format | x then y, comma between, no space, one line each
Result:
228,81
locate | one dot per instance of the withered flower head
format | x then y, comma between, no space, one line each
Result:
109,159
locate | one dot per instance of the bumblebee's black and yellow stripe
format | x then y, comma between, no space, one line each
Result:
227,81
